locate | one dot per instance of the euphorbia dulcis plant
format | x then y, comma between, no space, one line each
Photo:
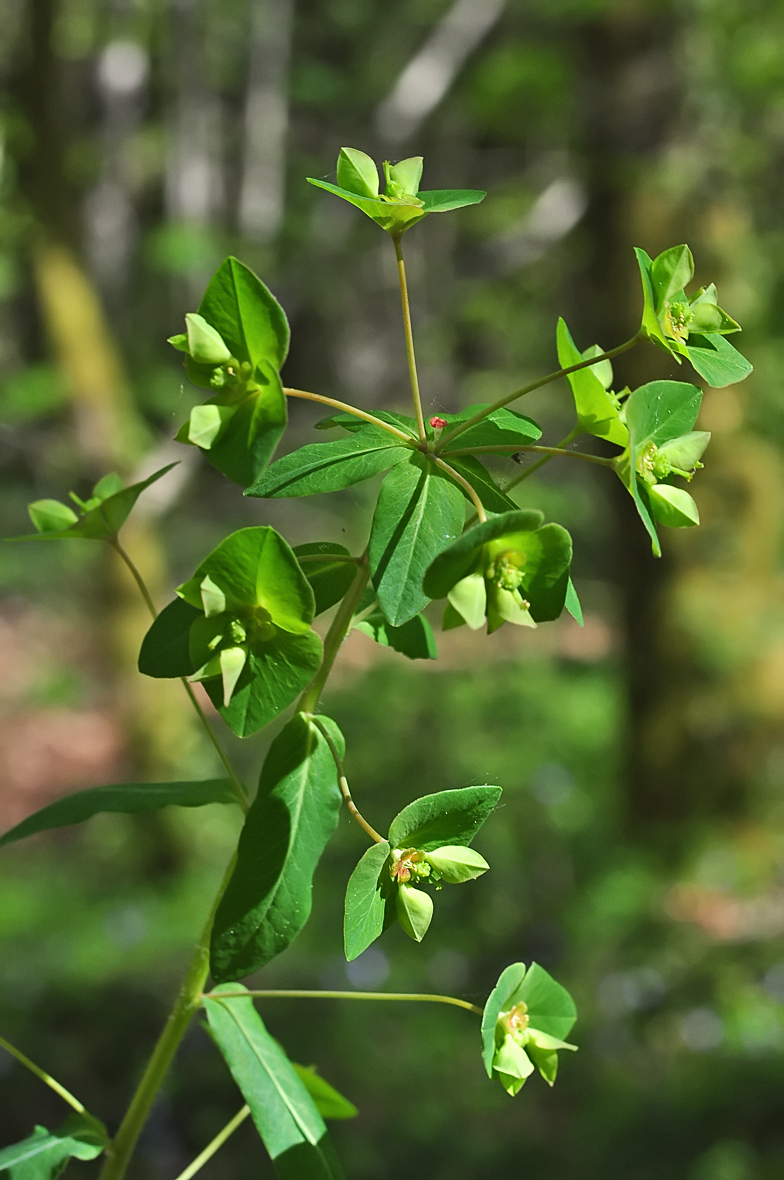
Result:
443,528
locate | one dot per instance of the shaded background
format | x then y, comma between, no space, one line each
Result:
640,854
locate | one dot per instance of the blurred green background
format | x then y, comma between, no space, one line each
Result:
640,852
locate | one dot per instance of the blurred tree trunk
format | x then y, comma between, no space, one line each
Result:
109,431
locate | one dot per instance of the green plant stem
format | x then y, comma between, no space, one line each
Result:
51,1082
212,1147
327,557
551,452
455,475
336,405
573,434
344,783
237,786
186,1005
421,997
510,397
412,369
337,633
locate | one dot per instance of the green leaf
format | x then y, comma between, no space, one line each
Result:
498,1001
329,579
662,410
244,430
393,216
716,360
419,511
352,423
121,797
460,558
331,466
357,173
274,675
447,817
482,482
328,1101
673,506
503,427
256,567
246,315
445,199
165,648
205,345
51,515
635,486
370,901
455,864
98,523
44,1154
285,1115
414,909
596,412
407,173
268,899
572,603
670,273
414,639
551,1009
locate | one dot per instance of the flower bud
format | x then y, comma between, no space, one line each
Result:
512,1064
455,864
414,911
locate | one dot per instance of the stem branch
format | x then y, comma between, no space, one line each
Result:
239,789
551,452
412,369
510,397
186,1005
335,636
573,434
472,495
212,1147
336,405
66,1095
423,997
344,783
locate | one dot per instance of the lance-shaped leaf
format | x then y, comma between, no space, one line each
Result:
275,673
414,639
501,428
255,567
352,423
445,818
419,511
44,1154
121,797
370,901
444,200
596,411
327,1100
285,1115
104,516
329,576
332,466
268,899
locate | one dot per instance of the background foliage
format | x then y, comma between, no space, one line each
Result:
641,853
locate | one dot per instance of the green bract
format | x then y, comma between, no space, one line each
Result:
427,842
235,346
524,1021
401,205
99,519
662,446
598,410
241,625
511,569
688,326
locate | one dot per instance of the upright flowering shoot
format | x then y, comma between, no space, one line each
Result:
525,1020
